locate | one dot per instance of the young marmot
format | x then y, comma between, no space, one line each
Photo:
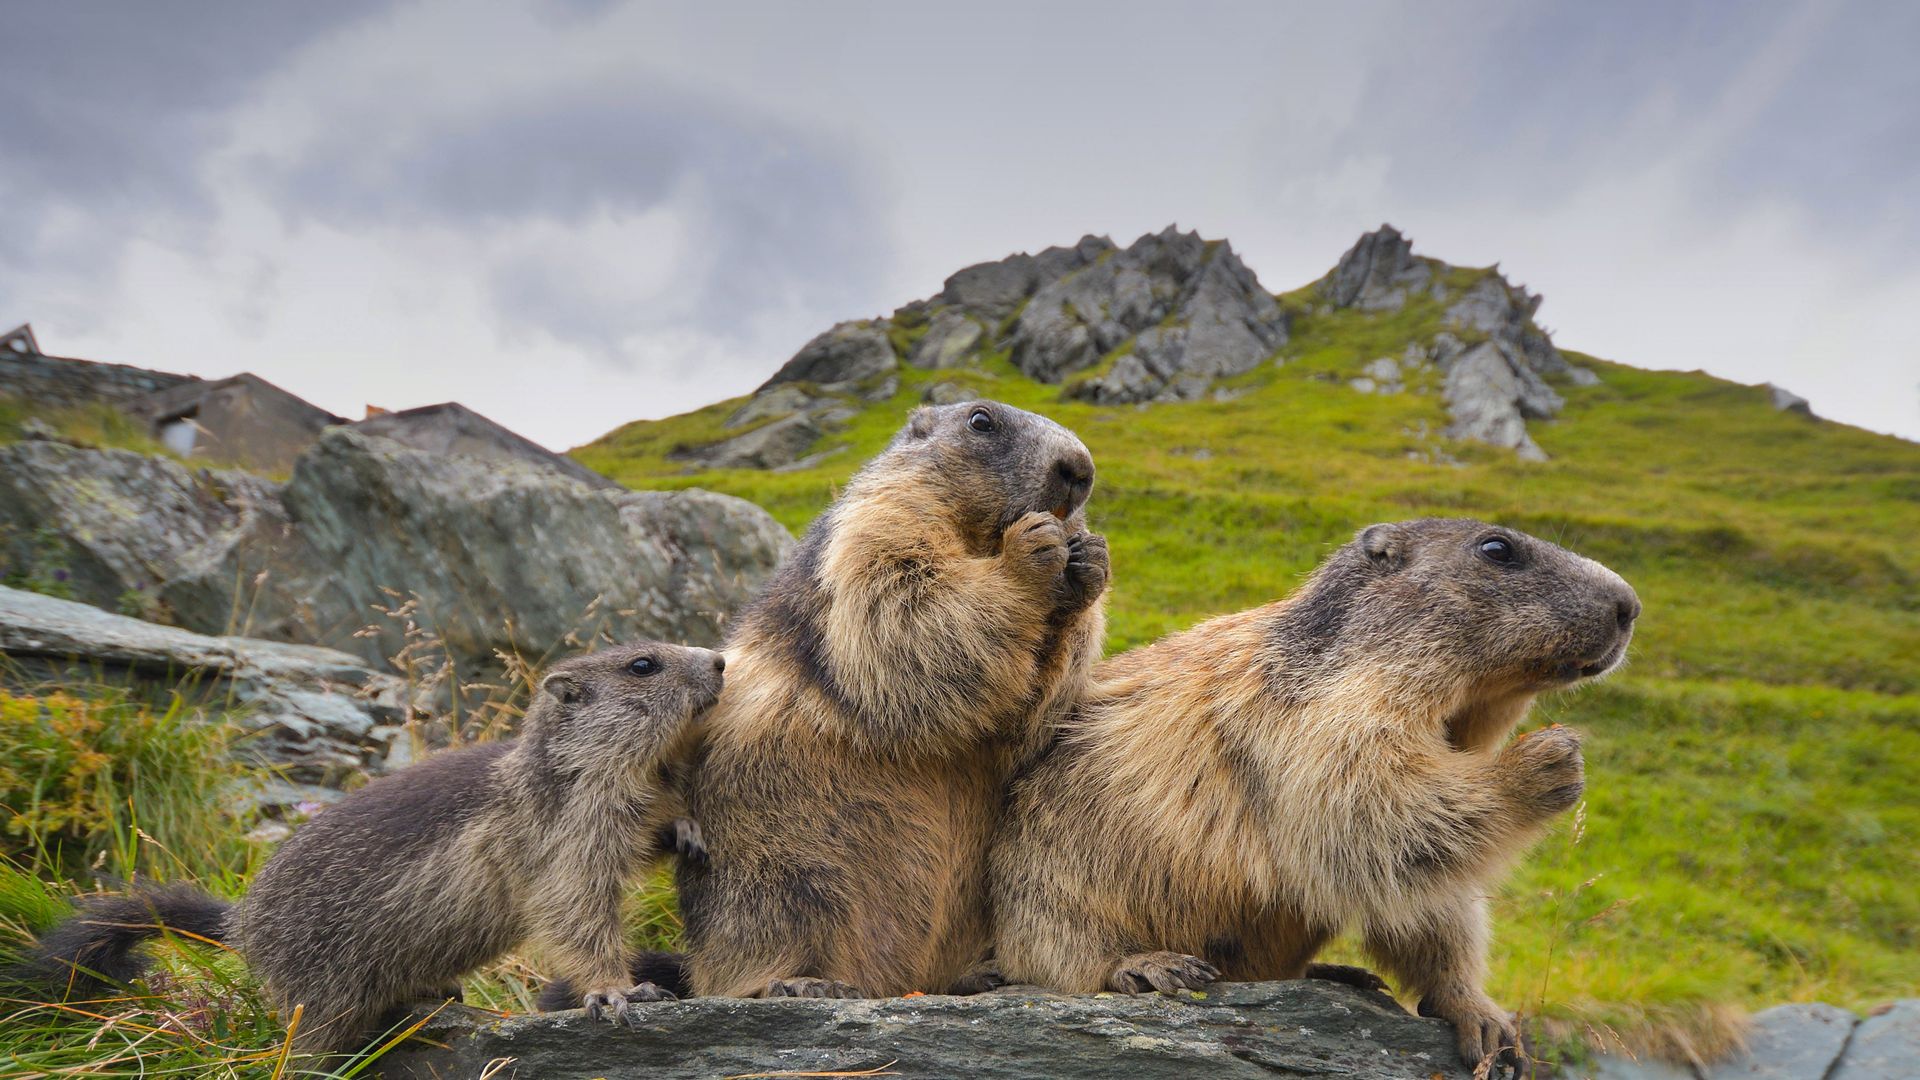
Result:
912,650
1223,802
395,892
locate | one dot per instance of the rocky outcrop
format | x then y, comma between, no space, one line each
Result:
1300,1029
1161,320
1172,311
842,359
814,393
114,528
474,557
995,290
1377,273
949,339
1786,400
1494,359
319,716
1491,394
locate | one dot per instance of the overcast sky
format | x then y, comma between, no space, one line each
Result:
573,214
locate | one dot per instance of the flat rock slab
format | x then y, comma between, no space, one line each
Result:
1297,1029
1885,1046
1790,1042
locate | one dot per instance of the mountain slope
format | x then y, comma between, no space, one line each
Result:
1750,810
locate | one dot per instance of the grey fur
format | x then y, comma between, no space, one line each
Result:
399,890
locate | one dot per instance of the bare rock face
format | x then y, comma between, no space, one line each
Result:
1787,401
1495,359
482,556
318,714
113,528
948,340
996,290
1179,312
844,356
1377,273
1300,1029
1491,393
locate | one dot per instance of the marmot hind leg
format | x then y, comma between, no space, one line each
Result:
1346,974
978,979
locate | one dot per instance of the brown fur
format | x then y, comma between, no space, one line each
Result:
1225,801
403,887
911,652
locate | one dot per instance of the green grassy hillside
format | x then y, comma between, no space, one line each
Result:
1749,835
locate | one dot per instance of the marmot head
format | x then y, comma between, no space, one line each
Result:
992,463
1504,611
631,705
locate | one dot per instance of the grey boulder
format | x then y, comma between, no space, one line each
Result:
770,446
474,557
1786,400
950,337
1789,1042
117,528
1491,393
1886,1045
1300,1028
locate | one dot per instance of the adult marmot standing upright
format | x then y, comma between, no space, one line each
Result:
1224,801
911,650
398,890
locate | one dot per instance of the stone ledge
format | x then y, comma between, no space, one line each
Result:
1298,1029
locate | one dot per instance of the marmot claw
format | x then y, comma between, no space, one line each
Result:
811,988
1087,569
688,841
1167,972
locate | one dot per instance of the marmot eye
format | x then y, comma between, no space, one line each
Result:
1495,549
981,421
643,666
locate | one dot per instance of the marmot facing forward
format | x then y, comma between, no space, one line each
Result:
398,890
911,650
1226,800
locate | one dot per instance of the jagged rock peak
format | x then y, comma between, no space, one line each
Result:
1173,312
1376,273
995,290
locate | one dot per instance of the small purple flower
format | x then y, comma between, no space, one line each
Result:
60,575
308,809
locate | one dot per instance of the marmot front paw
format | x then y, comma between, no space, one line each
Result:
1087,570
1036,547
614,1004
812,988
1485,1034
1548,767
1167,972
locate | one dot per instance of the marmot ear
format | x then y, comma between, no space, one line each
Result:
920,423
564,688
1384,544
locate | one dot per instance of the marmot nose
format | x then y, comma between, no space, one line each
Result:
719,661
1076,472
1626,610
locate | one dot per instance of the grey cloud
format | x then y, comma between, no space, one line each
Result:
784,216
113,105
108,114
